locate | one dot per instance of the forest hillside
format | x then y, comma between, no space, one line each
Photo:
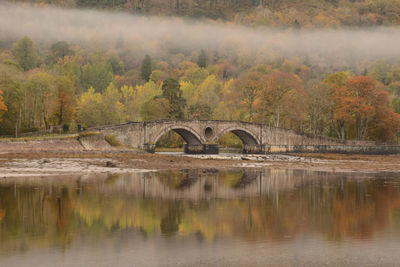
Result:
323,67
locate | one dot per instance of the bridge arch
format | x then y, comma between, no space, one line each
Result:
246,136
188,134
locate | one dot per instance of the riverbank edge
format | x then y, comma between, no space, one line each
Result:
95,141
146,161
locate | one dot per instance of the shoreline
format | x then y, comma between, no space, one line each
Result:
20,164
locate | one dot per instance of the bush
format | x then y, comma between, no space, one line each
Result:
112,140
65,128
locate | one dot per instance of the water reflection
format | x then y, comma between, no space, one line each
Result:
203,205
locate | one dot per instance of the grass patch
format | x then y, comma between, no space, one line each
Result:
112,140
87,134
39,138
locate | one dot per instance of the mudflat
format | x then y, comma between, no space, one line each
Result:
23,164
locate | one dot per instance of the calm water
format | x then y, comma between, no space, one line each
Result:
202,218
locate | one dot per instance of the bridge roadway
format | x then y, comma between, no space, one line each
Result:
202,137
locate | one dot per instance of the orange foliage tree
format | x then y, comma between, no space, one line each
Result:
248,88
64,106
283,100
386,123
362,109
3,107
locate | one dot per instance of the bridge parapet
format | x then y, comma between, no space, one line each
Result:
202,137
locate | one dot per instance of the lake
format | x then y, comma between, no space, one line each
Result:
206,217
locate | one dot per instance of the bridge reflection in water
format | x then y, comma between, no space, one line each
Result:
206,184
200,206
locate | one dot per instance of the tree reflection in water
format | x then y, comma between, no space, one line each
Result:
268,205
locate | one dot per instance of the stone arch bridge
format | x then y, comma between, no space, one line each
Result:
202,137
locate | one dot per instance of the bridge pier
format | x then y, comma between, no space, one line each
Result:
151,148
201,149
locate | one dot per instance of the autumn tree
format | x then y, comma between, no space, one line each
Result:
141,94
194,74
3,107
64,105
320,106
112,110
386,123
354,105
337,81
282,97
208,92
90,108
25,53
60,50
247,89
200,112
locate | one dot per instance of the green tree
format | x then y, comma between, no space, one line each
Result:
396,104
202,60
39,94
338,79
117,66
146,68
71,66
11,80
60,50
25,54
14,98
208,92
172,92
200,112
194,74
97,74
142,94
153,109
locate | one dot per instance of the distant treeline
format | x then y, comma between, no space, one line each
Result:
278,13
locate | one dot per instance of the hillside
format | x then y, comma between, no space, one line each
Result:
63,67
277,13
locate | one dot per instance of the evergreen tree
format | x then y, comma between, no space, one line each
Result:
60,50
172,92
202,60
146,68
116,66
